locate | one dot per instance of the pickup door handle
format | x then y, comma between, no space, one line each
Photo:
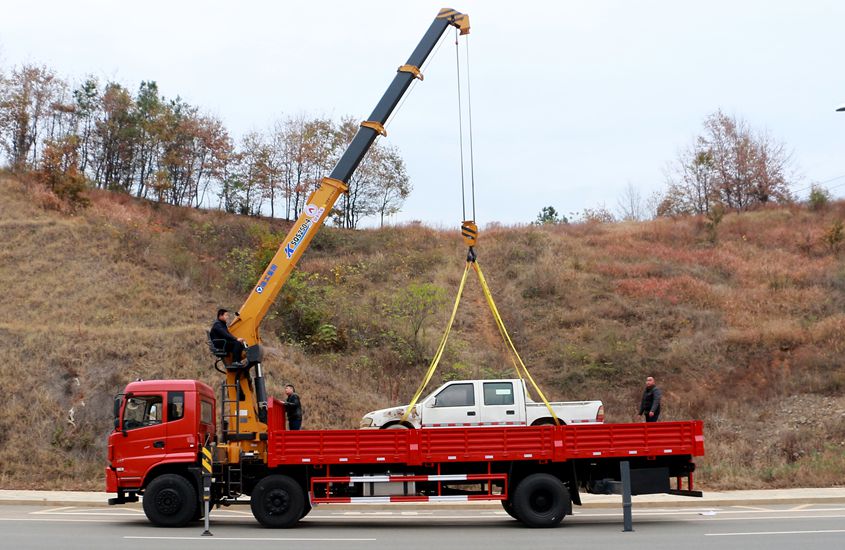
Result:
510,412
470,413
159,444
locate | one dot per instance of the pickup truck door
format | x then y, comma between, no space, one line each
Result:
454,405
501,405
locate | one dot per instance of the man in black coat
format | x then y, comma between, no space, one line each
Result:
650,404
293,408
220,331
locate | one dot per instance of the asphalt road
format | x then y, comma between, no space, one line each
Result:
746,527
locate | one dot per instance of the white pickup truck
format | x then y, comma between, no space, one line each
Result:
470,403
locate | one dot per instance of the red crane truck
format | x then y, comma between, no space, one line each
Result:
162,428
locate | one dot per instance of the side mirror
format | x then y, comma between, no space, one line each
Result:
118,399
430,403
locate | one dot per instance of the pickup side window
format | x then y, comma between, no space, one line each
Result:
498,393
175,405
141,411
456,395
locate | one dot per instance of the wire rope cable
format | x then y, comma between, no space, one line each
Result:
460,127
471,151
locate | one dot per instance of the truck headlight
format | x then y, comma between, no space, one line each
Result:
366,422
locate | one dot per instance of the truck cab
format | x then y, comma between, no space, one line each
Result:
476,403
156,423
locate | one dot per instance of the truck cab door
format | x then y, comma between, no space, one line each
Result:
182,426
454,405
144,436
502,406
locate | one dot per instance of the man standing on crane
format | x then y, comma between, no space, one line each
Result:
220,331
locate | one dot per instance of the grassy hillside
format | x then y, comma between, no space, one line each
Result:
743,325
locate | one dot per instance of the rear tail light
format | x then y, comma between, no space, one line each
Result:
600,414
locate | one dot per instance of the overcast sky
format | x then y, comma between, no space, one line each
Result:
571,100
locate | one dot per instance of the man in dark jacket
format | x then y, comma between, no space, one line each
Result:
650,404
220,331
293,408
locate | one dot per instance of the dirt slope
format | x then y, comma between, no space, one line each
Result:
744,327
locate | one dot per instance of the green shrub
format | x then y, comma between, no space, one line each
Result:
819,197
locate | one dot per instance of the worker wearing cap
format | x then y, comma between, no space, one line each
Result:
220,331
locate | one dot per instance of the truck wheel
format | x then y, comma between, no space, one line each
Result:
277,501
540,500
396,427
305,510
508,506
170,501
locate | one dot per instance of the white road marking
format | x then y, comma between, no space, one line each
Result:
775,533
694,512
274,539
55,520
52,510
114,514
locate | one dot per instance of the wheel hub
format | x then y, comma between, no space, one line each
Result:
278,502
541,501
168,501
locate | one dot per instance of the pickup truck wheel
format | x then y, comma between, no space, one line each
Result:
170,501
540,500
545,422
508,506
396,427
277,501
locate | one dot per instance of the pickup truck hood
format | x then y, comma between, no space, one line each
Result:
392,414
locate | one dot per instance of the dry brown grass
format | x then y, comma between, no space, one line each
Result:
747,332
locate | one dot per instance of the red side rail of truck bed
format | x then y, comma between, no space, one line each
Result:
413,447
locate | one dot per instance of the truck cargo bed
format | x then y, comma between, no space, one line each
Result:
557,443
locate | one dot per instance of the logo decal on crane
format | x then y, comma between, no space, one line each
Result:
266,279
312,216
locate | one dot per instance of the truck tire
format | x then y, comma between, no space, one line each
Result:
540,500
508,506
305,510
170,501
277,502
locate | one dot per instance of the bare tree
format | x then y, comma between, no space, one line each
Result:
392,184
729,165
26,96
631,206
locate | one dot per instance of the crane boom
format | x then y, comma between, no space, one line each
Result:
248,408
322,200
